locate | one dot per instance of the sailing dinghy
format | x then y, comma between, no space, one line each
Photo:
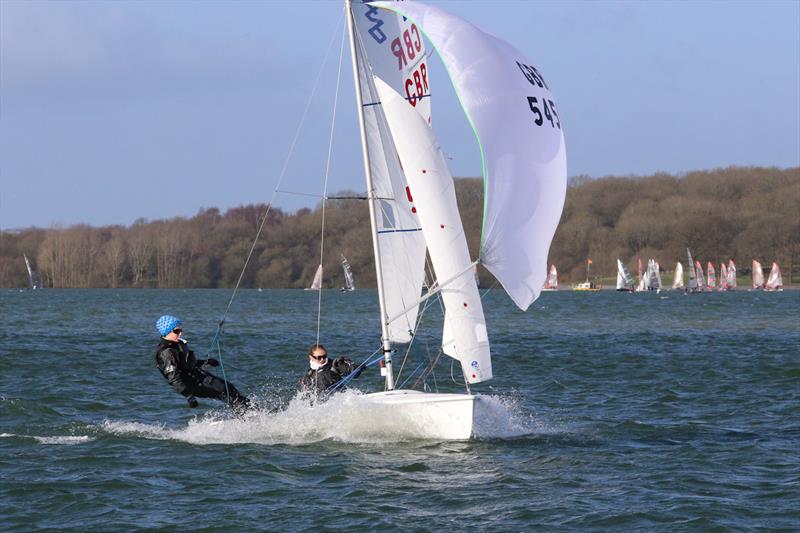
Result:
695,285
758,276
642,285
624,279
316,285
731,275
701,282
552,280
712,276
677,281
33,280
411,194
349,282
775,280
723,277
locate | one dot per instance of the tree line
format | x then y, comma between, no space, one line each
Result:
738,212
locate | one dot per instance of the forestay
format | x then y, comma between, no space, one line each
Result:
516,121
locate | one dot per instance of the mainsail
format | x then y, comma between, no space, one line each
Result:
677,282
624,279
400,246
775,280
758,275
349,282
731,275
712,276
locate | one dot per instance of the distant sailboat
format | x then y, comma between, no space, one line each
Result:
712,277
33,280
731,275
624,278
677,282
642,285
653,276
349,282
694,286
701,281
723,277
758,276
317,283
552,280
775,280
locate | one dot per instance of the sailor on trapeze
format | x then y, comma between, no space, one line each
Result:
186,374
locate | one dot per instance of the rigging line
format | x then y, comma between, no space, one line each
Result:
327,175
427,304
433,290
281,175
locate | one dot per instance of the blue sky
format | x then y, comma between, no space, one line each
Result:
112,111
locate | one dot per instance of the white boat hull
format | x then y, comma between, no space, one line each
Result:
430,415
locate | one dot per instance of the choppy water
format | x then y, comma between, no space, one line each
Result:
608,410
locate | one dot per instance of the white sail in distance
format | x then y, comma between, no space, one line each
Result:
349,282
514,116
317,283
758,275
677,282
552,279
775,280
731,274
693,285
723,277
624,279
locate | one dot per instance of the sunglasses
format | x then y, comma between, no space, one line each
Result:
177,331
319,357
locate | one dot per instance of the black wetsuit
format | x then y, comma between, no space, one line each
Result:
186,375
320,380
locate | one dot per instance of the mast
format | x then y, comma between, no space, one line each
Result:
385,342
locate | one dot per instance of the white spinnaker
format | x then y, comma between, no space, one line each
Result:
515,119
677,282
464,337
400,241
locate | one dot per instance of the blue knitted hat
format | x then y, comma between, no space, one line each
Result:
167,323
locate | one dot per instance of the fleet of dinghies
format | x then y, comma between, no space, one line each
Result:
649,279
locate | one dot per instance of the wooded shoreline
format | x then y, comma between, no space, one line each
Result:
737,212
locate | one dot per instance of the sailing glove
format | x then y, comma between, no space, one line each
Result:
192,402
212,362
